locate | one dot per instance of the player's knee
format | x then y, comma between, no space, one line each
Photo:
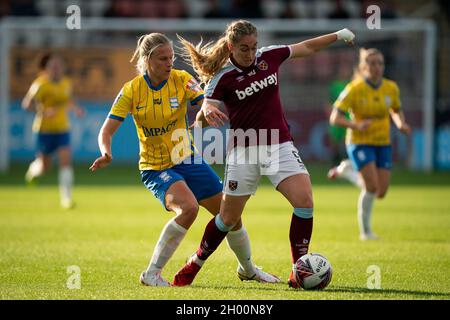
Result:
189,211
305,201
381,194
372,188
65,163
226,223
308,202
46,166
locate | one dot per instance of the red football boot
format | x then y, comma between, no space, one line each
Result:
291,281
186,275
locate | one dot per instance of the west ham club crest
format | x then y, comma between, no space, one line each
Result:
232,184
262,65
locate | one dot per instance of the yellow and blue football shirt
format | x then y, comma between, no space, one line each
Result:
49,94
160,116
366,101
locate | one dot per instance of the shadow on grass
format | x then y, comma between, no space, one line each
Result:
338,289
387,292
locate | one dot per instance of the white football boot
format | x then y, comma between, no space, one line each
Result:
345,171
257,275
368,236
342,170
67,203
153,280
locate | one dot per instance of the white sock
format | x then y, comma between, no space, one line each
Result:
365,205
36,169
65,182
198,261
169,240
346,171
239,242
354,178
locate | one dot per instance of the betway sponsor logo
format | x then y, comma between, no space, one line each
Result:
255,86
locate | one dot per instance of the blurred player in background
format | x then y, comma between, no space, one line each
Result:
336,134
50,97
158,99
370,99
244,79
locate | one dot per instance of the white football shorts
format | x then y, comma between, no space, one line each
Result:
246,165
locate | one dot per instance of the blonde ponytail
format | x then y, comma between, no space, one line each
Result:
208,59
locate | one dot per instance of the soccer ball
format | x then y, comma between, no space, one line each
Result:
312,271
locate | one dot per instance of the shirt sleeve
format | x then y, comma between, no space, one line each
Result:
277,53
194,91
34,92
396,104
122,104
215,89
344,100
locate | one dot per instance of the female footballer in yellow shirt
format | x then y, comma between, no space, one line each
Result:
50,97
370,99
170,167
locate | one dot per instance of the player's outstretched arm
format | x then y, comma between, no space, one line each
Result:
337,118
73,106
28,103
108,129
398,117
311,46
200,120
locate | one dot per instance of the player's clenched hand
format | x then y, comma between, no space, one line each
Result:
345,35
361,125
79,112
405,129
49,112
214,116
101,162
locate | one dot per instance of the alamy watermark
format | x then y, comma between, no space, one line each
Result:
244,146
374,20
374,279
73,21
74,279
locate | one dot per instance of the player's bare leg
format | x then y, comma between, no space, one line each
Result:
298,191
180,199
384,179
216,230
239,242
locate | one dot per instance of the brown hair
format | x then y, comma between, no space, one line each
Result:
146,44
46,57
208,59
364,54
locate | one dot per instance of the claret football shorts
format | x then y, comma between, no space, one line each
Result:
246,165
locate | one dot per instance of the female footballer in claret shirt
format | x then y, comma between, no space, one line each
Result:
170,168
370,99
244,80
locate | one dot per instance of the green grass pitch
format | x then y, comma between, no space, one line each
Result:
111,233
